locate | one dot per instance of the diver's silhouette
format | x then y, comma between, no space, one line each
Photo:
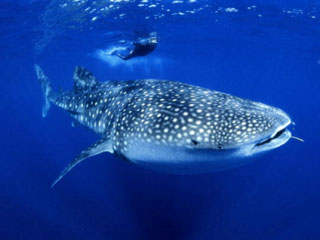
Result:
141,48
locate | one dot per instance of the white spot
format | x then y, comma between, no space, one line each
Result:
231,9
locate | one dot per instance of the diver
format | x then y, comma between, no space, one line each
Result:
142,47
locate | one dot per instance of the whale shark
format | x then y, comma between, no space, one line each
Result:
167,125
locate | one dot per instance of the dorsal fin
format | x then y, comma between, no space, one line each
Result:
83,79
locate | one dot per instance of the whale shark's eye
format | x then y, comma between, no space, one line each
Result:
194,142
220,146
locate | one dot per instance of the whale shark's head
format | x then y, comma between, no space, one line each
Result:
263,128
236,125
242,126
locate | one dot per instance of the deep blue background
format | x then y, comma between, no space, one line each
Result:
274,59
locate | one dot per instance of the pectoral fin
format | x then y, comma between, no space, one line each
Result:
101,146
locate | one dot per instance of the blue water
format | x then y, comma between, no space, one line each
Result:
266,51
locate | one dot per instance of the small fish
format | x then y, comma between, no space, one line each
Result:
166,125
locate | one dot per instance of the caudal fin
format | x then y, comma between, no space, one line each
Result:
46,89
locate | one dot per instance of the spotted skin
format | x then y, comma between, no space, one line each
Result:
167,116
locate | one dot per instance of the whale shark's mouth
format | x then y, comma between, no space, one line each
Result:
271,138
278,138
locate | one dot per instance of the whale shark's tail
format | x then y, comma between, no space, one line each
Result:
46,89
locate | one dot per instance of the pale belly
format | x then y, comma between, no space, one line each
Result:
182,160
